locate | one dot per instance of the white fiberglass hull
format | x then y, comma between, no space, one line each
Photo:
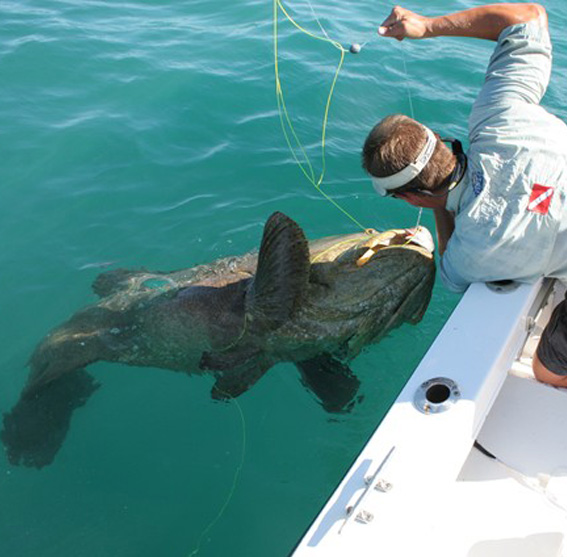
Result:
421,486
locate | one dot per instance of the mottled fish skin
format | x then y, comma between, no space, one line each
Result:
307,303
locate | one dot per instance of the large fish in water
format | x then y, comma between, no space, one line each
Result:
314,304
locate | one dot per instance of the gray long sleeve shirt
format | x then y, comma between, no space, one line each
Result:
510,210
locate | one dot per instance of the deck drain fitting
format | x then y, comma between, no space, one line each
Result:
436,395
503,286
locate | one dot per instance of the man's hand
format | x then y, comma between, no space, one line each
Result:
402,24
484,22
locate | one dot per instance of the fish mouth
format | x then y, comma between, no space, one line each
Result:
420,236
417,239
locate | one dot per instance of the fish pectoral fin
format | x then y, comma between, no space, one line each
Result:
236,370
231,384
332,381
282,274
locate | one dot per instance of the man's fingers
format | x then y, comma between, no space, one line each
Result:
392,26
394,16
403,24
395,30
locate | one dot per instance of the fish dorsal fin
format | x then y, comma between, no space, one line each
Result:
282,273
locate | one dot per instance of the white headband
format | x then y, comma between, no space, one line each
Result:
387,183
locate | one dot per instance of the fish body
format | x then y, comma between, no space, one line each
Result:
316,304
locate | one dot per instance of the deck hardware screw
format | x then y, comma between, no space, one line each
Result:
530,324
364,517
383,485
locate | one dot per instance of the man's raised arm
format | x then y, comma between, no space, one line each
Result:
484,22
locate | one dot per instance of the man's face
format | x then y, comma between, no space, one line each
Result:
421,200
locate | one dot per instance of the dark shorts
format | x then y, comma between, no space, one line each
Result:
552,348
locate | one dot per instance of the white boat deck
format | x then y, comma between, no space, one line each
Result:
422,487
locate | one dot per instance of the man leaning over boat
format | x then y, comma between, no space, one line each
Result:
501,209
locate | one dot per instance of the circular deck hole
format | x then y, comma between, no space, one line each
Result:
438,393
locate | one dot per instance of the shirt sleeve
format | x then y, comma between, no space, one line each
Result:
450,277
520,66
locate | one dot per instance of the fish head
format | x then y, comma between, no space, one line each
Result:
374,279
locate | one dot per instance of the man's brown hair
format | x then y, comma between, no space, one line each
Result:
394,143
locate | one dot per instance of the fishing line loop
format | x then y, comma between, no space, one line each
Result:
293,142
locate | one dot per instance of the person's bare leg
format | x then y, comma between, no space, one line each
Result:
545,376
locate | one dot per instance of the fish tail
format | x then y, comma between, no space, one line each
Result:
34,430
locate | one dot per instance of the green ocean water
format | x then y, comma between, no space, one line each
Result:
146,133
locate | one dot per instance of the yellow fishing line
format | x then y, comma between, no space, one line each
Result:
287,126
290,135
235,478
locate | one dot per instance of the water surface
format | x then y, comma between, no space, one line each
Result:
146,133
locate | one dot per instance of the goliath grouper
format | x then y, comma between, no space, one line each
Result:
314,304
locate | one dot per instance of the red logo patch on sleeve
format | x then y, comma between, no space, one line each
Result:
540,199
